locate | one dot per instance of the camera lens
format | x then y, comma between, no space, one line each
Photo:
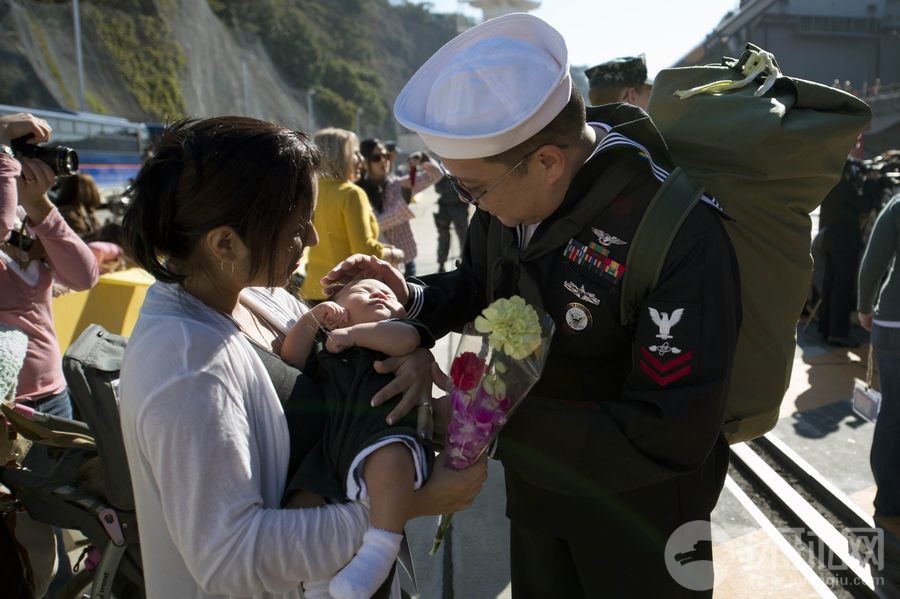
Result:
63,160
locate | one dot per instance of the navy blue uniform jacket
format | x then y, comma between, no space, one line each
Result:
622,434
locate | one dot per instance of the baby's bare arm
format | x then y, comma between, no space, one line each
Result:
300,339
390,337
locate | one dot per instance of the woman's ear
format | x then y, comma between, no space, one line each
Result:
224,246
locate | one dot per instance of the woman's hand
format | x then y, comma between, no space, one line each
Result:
865,321
22,123
448,490
36,179
369,267
440,405
412,379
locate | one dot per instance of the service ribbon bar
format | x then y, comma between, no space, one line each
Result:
595,258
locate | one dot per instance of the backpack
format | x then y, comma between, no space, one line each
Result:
91,367
769,148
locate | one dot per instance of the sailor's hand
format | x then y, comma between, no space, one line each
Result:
363,265
412,379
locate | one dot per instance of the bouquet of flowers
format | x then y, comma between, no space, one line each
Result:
499,358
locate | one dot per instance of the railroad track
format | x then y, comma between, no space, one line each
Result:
827,538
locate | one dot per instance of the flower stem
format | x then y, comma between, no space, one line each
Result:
443,527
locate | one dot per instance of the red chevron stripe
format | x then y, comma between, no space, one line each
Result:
664,381
665,366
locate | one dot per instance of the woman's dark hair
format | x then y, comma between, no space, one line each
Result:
79,190
367,145
374,189
251,175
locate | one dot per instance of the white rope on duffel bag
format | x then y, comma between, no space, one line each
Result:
758,63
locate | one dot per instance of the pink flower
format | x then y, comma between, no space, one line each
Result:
485,392
484,415
460,402
466,370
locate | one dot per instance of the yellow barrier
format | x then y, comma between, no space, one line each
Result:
113,303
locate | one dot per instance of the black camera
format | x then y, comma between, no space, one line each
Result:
420,156
23,242
887,168
62,159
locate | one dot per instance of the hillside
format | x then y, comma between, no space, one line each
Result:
154,60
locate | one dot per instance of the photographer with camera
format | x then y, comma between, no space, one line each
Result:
36,247
879,178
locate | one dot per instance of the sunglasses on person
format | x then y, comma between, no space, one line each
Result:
377,157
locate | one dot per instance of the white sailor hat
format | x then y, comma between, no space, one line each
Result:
488,89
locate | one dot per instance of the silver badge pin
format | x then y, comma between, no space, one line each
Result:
578,317
605,239
579,292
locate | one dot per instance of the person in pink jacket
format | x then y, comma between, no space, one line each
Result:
26,277
386,193
36,247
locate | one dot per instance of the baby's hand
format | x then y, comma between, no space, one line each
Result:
339,340
329,315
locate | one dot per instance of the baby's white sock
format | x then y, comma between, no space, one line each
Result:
316,590
369,567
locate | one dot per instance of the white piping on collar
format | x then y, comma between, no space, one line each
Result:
614,138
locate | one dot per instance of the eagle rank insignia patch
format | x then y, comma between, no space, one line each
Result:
662,361
665,322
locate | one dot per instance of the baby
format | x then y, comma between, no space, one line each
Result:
359,455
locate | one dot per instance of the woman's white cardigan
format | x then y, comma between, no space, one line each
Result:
207,447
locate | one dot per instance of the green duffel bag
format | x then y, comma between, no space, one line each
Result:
769,148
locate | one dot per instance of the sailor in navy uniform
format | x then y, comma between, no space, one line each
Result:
620,441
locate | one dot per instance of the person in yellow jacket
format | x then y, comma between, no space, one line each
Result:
343,217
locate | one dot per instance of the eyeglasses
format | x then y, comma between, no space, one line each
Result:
377,157
470,198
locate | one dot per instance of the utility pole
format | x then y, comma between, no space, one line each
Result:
245,85
311,109
357,126
76,17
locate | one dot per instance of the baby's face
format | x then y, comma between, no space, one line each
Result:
369,300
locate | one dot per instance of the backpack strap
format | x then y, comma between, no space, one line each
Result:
653,238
